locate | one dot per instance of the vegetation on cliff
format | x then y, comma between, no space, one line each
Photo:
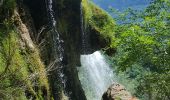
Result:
99,20
142,42
22,73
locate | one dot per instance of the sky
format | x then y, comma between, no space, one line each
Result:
122,4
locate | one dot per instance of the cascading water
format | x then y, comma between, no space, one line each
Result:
83,36
57,45
85,47
49,6
95,75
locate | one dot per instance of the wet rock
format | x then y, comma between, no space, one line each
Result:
117,92
67,16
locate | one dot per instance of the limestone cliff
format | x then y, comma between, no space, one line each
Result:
67,16
24,27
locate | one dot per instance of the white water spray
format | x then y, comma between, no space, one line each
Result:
95,75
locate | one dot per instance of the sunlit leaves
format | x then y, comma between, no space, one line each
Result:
145,41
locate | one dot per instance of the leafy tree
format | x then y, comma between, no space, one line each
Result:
144,40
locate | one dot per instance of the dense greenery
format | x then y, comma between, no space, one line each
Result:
143,49
19,68
99,20
22,74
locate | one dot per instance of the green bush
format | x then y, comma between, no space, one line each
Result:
143,50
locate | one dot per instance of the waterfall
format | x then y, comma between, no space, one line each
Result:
56,36
95,75
82,30
49,5
85,47
58,50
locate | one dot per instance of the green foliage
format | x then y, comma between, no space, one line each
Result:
12,66
143,41
99,20
21,71
6,9
9,4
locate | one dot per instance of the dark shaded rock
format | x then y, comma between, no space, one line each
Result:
38,12
67,16
68,24
117,92
94,41
110,51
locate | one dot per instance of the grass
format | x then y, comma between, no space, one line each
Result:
21,70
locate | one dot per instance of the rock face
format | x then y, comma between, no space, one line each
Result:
68,24
32,21
117,92
67,16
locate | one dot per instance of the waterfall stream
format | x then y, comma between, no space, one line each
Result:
58,50
83,35
95,75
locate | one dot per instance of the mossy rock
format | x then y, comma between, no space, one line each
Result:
17,81
99,25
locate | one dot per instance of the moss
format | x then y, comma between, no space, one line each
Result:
87,11
9,4
118,98
37,67
99,20
21,71
6,9
13,67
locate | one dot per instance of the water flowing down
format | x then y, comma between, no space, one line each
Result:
57,45
83,35
95,75
49,6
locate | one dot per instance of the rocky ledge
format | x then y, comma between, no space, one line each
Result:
117,92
